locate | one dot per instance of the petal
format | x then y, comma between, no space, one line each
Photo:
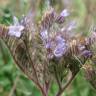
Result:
72,25
58,52
18,34
64,13
60,40
20,27
87,53
15,30
44,34
48,45
14,33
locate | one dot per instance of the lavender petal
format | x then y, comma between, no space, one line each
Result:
44,34
64,13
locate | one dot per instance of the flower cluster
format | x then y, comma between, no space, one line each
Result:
50,51
54,42
56,47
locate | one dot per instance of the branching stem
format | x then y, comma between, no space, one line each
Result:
65,86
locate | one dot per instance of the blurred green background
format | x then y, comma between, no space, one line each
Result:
12,81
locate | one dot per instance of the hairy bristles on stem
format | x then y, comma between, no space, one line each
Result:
73,47
48,19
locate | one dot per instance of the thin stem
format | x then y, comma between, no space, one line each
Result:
14,86
37,81
46,87
38,84
65,86
58,81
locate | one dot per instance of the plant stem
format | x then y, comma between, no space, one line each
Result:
14,86
58,81
65,86
46,87
44,92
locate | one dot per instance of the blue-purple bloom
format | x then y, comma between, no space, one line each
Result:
61,18
60,47
64,13
48,45
59,51
15,30
56,47
87,54
44,34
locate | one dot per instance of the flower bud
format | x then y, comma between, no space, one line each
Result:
61,18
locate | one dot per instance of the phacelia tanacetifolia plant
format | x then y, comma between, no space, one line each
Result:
50,52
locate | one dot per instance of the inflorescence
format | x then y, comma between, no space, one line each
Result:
51,50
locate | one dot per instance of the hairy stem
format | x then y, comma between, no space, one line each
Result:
37,81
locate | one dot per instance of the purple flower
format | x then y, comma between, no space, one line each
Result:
64,13
60,40
61,18
61,47
59,51
15,30
44,34
49,48
87,54
48,45
56,47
